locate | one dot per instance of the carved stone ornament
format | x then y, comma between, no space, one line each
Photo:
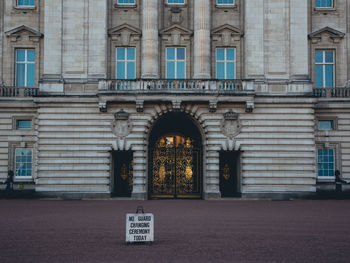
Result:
231,126
121,126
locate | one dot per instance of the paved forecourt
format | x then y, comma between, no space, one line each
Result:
184,231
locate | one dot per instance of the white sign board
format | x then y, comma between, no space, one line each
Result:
139,228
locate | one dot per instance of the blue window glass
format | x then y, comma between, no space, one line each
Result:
325,162
225,2
127,2
25,67
24,161
26,2
324,3
176,63
225,63
24,124
325,125
324,68
176,1
125,63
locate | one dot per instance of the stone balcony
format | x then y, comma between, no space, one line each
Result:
12,91
332,93
175,91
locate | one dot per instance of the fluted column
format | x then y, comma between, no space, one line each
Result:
150,61
201,39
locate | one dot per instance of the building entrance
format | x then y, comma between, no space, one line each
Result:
175,158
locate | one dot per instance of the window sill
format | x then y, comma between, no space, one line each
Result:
324,10
124,6
24,7
225,6
23,179
326,179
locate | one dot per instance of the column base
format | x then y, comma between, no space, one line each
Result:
212,196
139,196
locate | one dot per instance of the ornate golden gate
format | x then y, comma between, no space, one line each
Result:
175,166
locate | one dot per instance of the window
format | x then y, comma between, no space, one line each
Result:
25,67
23,162
225,63
126,63
324,68
175,63
25,2
23,124
326,162
325,125
324,3
126,2
225,2
176,1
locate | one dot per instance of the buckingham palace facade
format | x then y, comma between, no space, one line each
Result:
152,99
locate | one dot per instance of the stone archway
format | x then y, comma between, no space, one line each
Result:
175,158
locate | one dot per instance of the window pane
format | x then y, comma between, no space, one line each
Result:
319,76
20,74
329,56
31,55
120,70
325,125
181,53
230,54
170,70
230,68
318,56
126,1
170,53
131,53
131,70
176,1
220,54
30,75
220,70
180,70
329,76
120,53
24,124
20,55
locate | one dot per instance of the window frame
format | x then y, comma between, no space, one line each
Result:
26,63
19,178
175,60
323,64
219,5
125,62
225,61
126,4
324,7
337,159
167,2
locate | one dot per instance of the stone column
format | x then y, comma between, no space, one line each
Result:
201,39
150,50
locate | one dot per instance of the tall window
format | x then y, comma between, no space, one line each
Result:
326,162
126,63
25,2
324,68
175,63
23,158
25,67
126,2
225,63
225,2
324,3
176,1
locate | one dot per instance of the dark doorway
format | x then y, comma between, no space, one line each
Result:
123,173
175,158
229,174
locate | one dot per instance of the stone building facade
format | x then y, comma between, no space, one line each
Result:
175,99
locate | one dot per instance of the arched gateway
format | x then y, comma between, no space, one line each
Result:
175,158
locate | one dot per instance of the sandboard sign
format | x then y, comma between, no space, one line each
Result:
139,227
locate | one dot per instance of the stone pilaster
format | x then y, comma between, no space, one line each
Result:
53,39
201,56
150,43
